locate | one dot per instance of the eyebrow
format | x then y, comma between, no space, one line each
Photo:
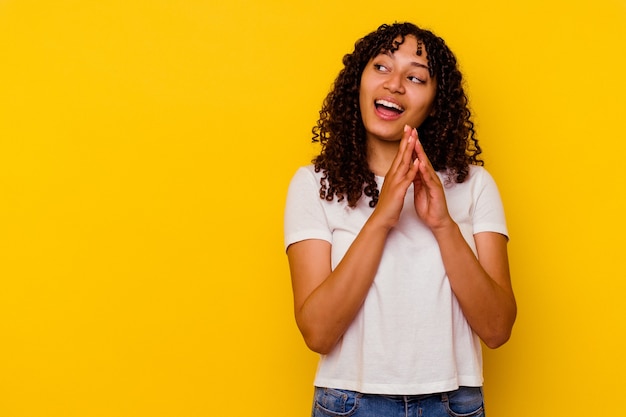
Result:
417,64
413,63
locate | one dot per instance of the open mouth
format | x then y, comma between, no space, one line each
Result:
388,107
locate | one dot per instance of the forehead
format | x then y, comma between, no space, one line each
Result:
408,45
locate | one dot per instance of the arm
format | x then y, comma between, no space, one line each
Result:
326,301
482,284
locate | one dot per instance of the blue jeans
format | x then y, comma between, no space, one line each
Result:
466,402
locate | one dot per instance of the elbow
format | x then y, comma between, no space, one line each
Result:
317,338
319,342
496,339
319,346
500,333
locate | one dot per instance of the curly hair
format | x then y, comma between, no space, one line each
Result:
447,135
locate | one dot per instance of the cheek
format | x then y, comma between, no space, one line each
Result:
428,107
363,99
421,115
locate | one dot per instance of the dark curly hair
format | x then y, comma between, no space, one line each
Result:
447,134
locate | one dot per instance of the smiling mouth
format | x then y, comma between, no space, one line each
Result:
388,107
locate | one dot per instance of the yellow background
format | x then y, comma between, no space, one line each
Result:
145,151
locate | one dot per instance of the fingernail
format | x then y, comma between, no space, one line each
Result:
406,128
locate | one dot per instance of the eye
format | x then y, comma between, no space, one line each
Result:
381,68
415,79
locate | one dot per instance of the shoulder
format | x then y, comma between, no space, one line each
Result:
479,178
478,173
479,188
307,173
305,214
305,178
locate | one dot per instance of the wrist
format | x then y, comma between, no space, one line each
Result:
445,228
379,222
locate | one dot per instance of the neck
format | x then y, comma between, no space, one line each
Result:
380,155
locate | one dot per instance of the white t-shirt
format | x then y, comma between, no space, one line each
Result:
410,337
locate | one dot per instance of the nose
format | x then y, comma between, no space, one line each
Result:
394,83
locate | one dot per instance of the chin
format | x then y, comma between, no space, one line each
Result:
387,135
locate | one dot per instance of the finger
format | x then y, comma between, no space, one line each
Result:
415,161
406,143
421,155
426,171
419,151
408,157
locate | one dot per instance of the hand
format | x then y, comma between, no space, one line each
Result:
397,181
429,197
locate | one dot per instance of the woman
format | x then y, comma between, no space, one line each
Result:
396,237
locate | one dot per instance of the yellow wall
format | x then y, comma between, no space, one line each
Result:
145,151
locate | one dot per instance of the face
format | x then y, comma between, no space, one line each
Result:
396,89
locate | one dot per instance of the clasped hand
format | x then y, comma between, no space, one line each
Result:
412,166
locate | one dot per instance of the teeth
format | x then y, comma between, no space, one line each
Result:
389,104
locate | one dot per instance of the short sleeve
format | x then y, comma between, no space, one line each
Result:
305,217
488,211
